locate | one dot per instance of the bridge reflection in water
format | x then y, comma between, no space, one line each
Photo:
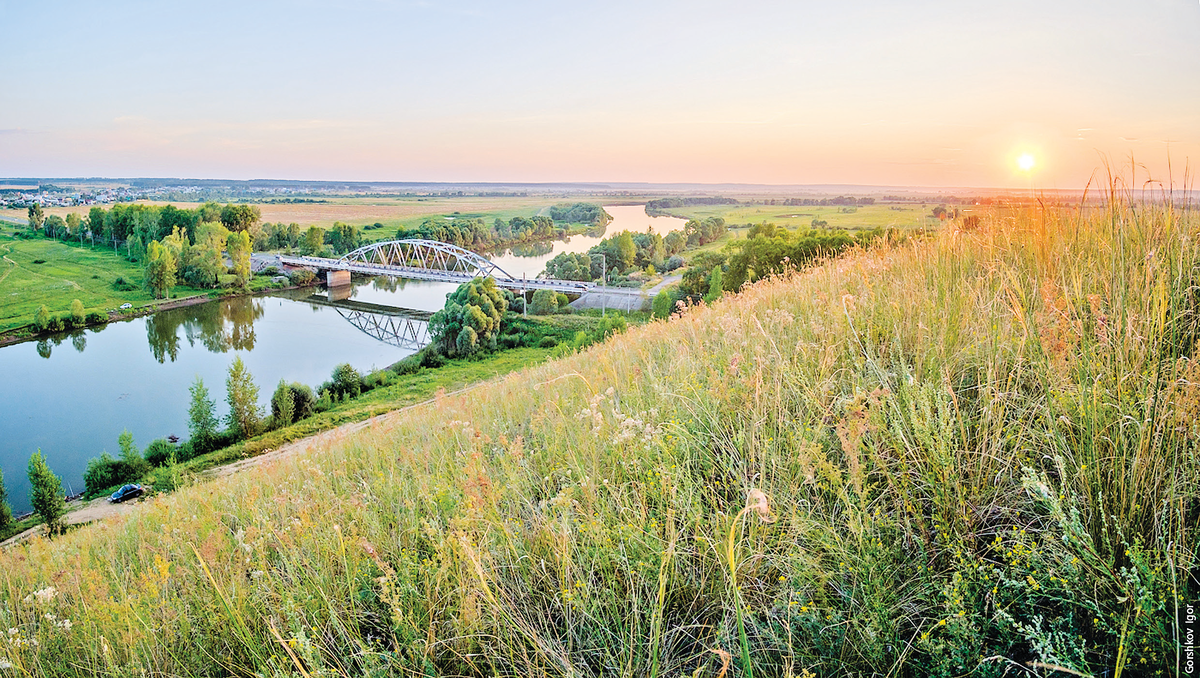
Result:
400,327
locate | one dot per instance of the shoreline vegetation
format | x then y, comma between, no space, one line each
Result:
959,453
135,231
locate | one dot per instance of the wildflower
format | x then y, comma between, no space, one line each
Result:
42,596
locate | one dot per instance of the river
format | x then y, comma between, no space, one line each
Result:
72,395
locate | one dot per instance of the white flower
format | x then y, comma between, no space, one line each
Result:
42,596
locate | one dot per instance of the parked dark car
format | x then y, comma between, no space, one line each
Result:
126,492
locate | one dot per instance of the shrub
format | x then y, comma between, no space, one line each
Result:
432,358
41,320
664,302
96,317
123,285
544,302
159,452
269,271
56,323
302,277
303,400
105,471
548,342
344,382
410,365
225,281
77,316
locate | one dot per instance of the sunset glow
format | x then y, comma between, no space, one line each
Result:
1026,162
622,94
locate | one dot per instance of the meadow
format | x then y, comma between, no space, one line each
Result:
392,212
41,271
969,453
904,216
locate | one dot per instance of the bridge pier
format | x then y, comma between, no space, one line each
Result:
337,278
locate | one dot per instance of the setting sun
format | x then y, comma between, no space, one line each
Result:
1025,162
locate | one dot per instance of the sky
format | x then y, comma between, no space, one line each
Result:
917,93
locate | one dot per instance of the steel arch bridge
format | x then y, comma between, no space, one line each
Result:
427,254
430,260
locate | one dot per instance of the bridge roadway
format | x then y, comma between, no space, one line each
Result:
413,273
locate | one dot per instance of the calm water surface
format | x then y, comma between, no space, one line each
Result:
72,395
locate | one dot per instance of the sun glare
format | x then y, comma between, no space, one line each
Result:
1025,162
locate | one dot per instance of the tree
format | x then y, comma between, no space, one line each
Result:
41,319
95,223
714,286
343,237
202,418
283,405
45,493
240,218
470,319
160,270
238,246
6,515
78,318
36,217
54,226
75,226
314,242
135,465
242,395
544,302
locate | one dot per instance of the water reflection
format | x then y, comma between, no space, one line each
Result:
218,327
532,249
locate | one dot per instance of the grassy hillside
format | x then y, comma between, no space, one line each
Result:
968,455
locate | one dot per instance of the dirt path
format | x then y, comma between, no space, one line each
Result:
99,509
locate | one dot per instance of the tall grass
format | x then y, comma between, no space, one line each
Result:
972,454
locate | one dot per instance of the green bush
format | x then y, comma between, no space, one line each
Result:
96,317
345,382
56,323
123,285
302,277
410,365
41,320
303,400
548,342
226,281
160,452
106,471
664,303
544,302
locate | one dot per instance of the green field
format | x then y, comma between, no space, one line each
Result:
866,217
66,272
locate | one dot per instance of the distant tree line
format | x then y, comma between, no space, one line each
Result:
823,202
473,233
580,213
659,204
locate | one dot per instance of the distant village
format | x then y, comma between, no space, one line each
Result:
55,196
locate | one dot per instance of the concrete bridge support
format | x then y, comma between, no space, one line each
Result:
337,278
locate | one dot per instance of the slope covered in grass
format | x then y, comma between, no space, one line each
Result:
945,457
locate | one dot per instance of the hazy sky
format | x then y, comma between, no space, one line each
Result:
933,93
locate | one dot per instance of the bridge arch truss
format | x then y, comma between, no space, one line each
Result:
425,254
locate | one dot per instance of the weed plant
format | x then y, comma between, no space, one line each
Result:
967,454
